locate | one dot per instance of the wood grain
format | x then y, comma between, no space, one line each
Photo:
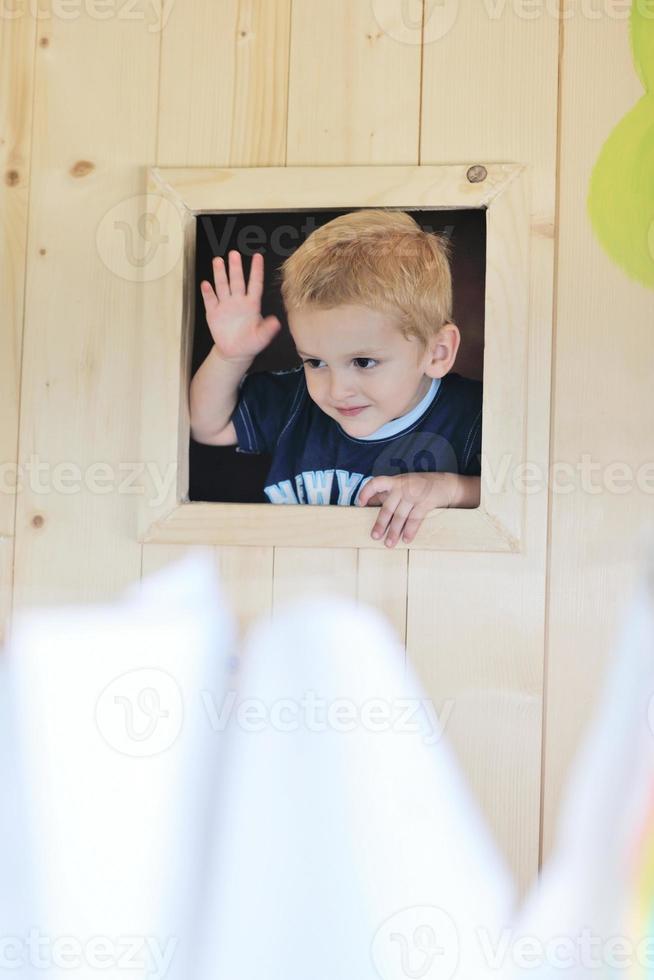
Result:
602,409
94,126
17,52
223,102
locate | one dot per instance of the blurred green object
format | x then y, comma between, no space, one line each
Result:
621,195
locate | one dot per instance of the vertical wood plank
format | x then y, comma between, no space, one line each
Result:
474,635
354,90
223,103
17,38
382,582
80,392
476,622
224,84
604,370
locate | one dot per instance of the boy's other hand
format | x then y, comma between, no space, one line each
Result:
234,314
406,500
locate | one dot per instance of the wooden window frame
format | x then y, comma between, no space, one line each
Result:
176,196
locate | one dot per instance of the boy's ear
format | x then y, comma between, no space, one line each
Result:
442,350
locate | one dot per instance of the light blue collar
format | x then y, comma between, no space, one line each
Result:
397,425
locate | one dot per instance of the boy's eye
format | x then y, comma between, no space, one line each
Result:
367,361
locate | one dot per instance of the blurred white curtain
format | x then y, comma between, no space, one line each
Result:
120,772
171,809
349,844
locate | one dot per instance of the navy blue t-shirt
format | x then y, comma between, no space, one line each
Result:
314,461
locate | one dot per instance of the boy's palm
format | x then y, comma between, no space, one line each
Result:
234,315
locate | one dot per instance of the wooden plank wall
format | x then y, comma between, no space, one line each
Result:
16,102
94,129
602,406
94,101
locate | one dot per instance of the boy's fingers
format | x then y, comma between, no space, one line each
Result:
236,280
368,499
411,528
208,295
390,505
377,498
377,485
269,327
220,277
401,513
255,282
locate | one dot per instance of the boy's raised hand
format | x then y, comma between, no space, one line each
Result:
234,315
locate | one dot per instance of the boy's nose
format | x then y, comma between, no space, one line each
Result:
340,392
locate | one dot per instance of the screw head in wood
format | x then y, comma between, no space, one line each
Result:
477,174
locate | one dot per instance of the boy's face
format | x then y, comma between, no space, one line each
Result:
357,358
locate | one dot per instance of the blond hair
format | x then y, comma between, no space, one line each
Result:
377,258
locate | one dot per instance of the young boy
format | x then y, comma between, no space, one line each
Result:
374,414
